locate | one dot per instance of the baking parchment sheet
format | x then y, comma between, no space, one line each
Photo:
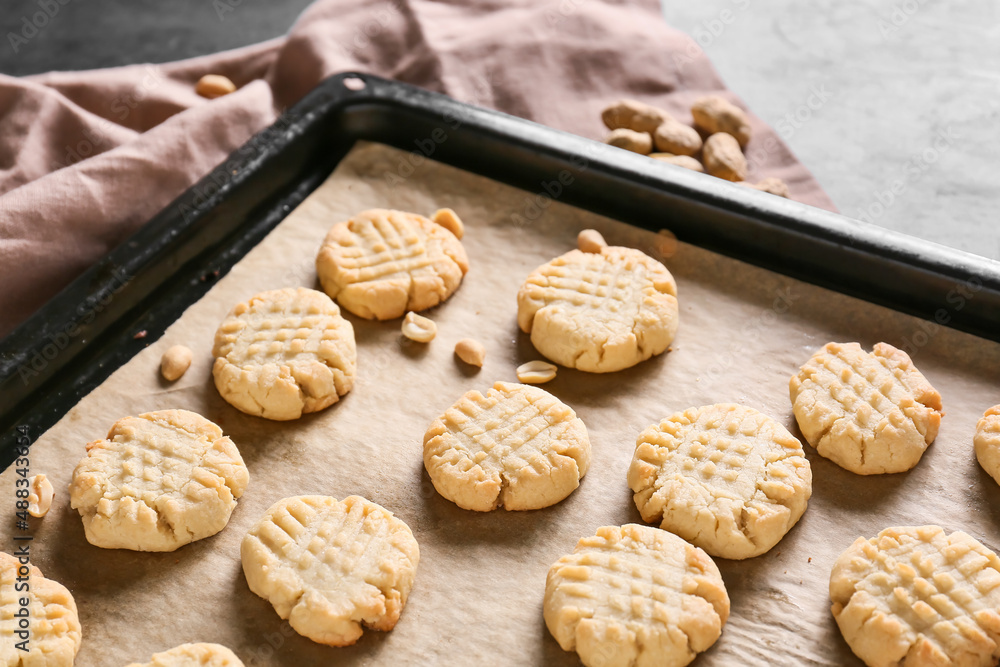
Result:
479,586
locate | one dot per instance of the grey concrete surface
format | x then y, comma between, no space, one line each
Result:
893,104
86,34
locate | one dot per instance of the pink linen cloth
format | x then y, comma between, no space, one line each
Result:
87,157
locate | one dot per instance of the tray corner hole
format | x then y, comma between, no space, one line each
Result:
354,83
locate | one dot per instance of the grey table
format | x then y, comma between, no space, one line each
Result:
893,104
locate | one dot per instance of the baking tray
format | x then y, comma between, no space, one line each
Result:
737,342
127,299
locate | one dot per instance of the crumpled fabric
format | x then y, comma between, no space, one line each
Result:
87,157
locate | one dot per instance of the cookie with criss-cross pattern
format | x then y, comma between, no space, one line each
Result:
159,481
868,412
987,442
918,597
194,655
516,446
599,311
635,595
725,477
382,263
284,353
331,566
52,635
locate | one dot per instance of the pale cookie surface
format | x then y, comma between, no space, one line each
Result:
725,477
599,311
381,263
635,596
517,446
987,442
917,597
193,655
870,413
54,625
159,481
329,566
284,353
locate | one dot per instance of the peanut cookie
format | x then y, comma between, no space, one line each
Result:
50,632
284,353
380,263
160,480
635,595
518,447
987,442
193,655
724,477
870,413
327,566
599,311
916,597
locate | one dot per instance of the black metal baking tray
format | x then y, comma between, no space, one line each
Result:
132,295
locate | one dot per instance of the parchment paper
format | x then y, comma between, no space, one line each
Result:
479,587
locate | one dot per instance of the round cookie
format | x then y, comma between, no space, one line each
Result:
599,311
635,595
284,353
327,566
725,477
381,263
870,413
159,481
53,634
917,597
518,447
987,442
193,655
